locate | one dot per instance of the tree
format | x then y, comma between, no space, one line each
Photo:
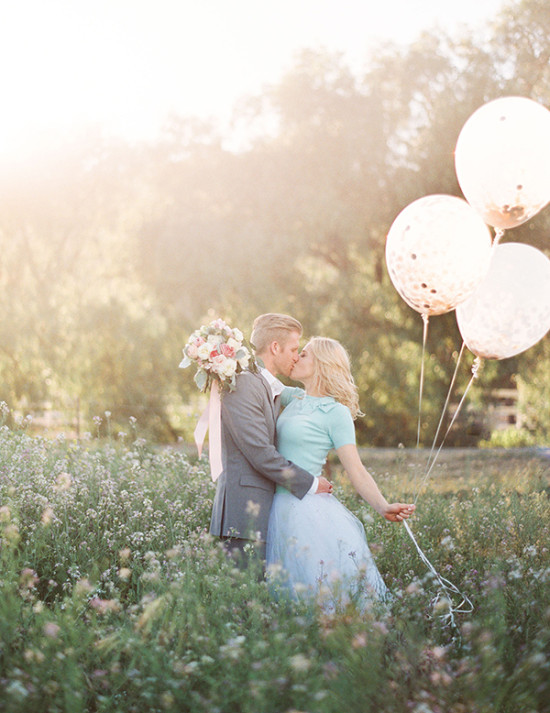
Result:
113,254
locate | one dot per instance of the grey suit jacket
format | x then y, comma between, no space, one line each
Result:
252,466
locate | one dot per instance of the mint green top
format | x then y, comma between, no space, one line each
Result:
310,426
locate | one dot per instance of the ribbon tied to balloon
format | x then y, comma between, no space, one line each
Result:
441,255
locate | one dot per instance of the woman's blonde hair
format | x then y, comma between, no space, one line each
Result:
272,327
332,373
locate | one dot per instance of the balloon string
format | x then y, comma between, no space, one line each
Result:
476,366
445,406
499,232
448,589
425,319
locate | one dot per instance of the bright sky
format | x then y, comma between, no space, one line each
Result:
127,64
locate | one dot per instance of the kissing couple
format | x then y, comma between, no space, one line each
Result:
271,497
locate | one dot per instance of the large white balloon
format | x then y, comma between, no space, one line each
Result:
437,250
510,310
502,160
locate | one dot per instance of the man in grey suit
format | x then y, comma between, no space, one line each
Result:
252,467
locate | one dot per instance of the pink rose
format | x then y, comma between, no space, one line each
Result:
217,363
228,351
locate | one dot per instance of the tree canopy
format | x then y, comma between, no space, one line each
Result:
113,253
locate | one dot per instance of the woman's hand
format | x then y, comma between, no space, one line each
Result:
396,512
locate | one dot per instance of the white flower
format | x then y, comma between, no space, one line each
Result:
442,604
244,361
233,343
192,351
252,508
63,482
300,663
219,354
203,352
228,368
218,363
51,630
47,516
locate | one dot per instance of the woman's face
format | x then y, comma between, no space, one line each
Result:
304,368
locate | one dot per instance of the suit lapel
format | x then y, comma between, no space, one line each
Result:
269,394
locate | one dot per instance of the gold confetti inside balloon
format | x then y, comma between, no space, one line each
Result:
502,160
509,311
437,251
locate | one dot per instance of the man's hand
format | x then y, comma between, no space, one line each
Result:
324,486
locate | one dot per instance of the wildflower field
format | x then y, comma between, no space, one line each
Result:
113,598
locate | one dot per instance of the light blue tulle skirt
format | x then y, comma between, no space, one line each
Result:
317,550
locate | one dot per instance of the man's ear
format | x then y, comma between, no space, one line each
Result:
274,348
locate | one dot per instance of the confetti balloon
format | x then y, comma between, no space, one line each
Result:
510,309
502,160
437,250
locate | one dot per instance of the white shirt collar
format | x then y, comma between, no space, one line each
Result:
275,385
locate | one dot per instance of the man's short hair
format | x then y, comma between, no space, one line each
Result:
271,327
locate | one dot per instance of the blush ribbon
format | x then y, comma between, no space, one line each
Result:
210,420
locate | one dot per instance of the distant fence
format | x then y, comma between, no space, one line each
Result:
48,418
76,418
500,412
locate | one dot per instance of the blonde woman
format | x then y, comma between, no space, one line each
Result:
316,546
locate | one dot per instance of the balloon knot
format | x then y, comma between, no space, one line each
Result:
476,367
499,234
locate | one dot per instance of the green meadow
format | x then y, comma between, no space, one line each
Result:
114,598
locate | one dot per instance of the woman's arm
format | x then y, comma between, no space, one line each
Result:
364,484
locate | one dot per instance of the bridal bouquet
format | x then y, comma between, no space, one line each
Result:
220,353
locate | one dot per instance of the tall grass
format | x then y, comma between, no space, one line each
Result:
114,598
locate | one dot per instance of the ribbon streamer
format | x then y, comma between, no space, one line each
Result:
425,320
444,411
448,589
476,366
210,420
